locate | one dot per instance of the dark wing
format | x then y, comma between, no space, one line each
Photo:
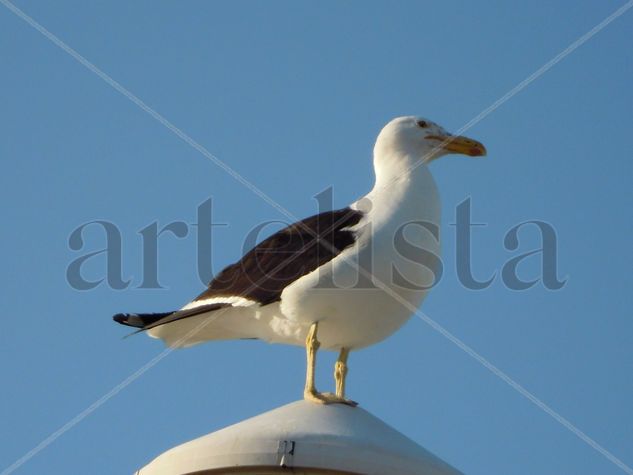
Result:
264,271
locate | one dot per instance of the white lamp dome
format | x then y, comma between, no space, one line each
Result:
306,437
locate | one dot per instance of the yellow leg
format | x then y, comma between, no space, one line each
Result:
340,372
312,346
310,393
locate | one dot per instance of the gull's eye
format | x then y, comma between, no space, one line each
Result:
422,123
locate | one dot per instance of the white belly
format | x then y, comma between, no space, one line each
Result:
352,310
355,308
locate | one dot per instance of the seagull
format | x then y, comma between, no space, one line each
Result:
340,280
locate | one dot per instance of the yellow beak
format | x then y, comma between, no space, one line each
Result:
459,144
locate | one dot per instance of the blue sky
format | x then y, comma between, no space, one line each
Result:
291,95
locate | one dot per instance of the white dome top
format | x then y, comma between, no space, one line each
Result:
314,437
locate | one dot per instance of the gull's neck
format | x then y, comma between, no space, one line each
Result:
403,185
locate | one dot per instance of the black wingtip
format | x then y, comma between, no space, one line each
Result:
129,319
139,320
121,318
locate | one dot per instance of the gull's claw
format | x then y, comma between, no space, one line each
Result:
327,398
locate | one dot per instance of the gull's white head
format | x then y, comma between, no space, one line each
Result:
414,139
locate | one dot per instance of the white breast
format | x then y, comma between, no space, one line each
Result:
398,248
